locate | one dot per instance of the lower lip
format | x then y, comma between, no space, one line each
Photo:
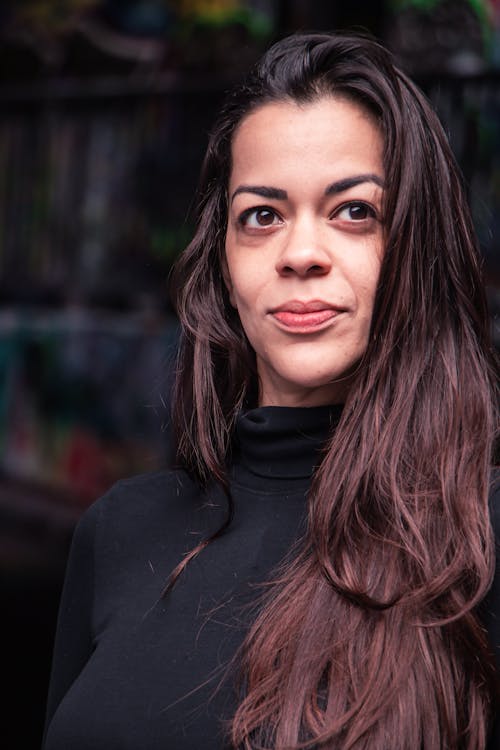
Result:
305,322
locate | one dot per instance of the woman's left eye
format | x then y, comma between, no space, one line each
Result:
355,212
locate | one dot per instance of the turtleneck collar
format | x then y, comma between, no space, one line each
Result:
278,442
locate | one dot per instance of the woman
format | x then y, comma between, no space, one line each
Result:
327,522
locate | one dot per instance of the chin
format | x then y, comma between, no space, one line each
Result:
335,382
323,380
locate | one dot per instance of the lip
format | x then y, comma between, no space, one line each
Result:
305,316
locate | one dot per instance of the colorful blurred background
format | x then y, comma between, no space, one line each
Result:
105,107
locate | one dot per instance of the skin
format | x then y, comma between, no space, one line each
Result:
305,235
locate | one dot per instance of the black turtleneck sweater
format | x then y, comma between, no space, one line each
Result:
135,670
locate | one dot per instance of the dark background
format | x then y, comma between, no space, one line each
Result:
105,108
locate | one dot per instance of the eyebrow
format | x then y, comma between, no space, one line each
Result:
339,186
276,194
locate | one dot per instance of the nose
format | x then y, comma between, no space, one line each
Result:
304,251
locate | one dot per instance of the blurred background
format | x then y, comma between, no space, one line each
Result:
105,107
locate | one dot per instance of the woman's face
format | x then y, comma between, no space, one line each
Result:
304,244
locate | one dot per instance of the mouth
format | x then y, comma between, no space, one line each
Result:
305,317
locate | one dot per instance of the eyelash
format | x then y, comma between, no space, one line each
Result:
245,215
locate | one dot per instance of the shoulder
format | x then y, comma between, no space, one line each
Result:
142,495
164,505
142,523
136,507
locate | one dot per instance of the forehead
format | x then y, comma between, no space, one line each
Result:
325,135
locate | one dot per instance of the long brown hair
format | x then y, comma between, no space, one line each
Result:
369,637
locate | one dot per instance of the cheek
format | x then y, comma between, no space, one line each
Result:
230,289
246,301
238,294
367,282
226,275
244,298
243,282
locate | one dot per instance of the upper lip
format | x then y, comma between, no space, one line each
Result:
299,306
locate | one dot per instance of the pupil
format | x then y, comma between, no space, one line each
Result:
265,217
358,212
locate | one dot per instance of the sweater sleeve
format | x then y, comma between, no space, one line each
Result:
73,640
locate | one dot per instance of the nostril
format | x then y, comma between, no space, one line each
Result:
316,269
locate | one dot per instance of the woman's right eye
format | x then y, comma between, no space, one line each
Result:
258,218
